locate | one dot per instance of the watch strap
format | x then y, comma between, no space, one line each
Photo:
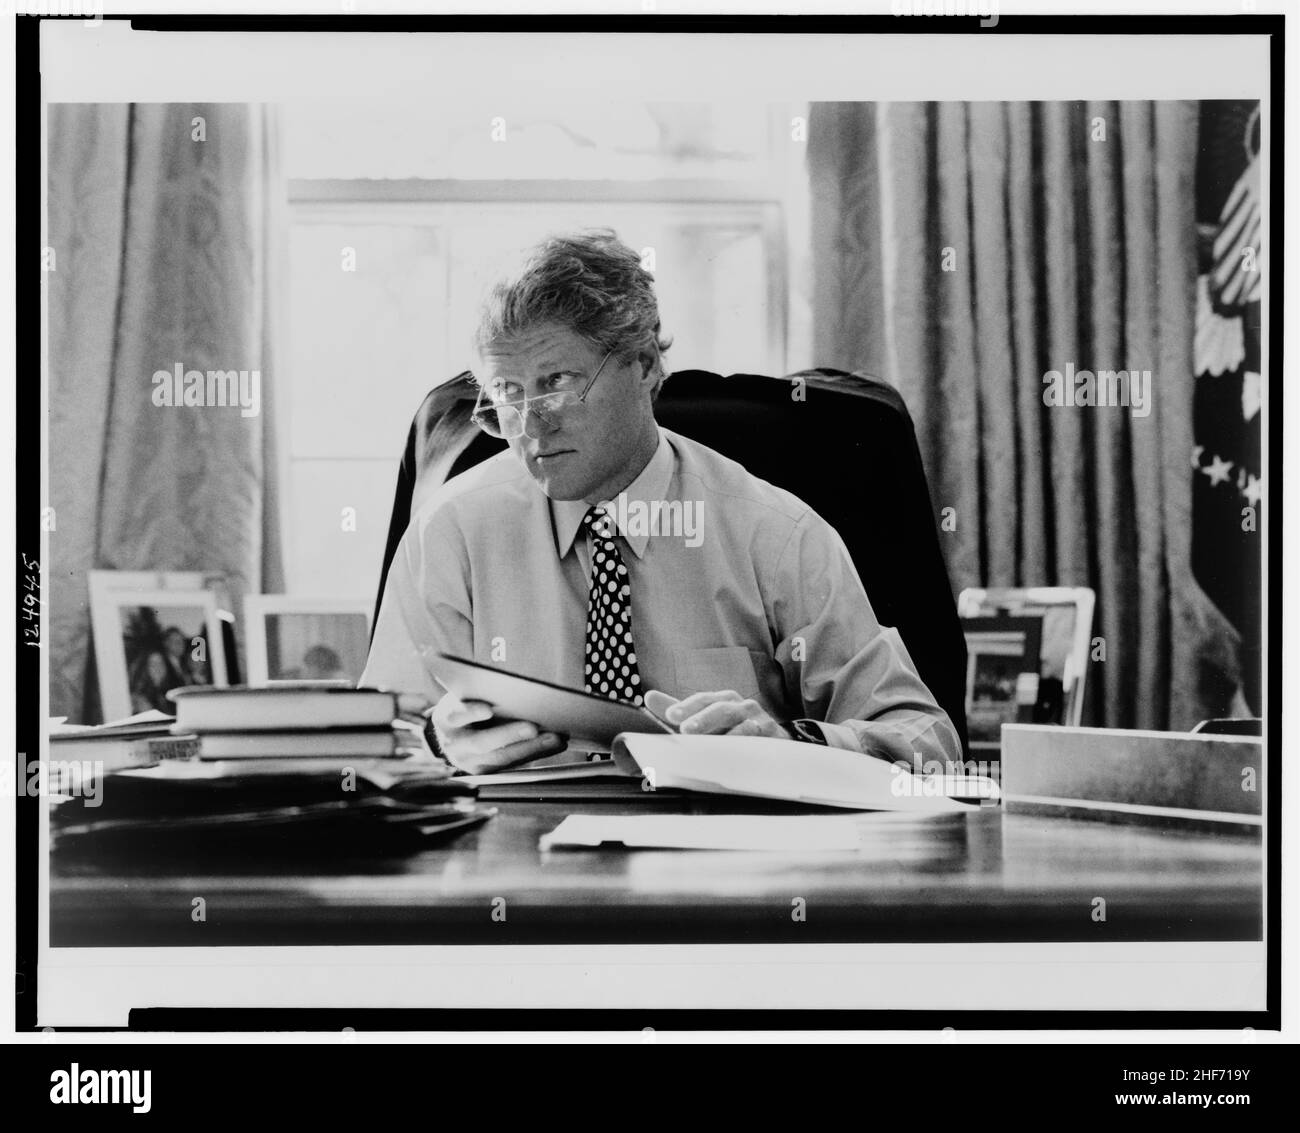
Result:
806,731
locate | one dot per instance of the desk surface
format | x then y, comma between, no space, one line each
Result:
985,876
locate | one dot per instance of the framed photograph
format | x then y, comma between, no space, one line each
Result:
148,642
306,639
1066,616
1002,675
104,582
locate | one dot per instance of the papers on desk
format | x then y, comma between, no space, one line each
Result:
554,773
800,833
793,771
151,722
266,806
280,770
764,768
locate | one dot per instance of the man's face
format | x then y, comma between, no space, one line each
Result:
584,453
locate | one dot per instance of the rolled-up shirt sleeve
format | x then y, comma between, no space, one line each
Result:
852,675
425,609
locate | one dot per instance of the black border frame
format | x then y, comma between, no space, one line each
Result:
28,518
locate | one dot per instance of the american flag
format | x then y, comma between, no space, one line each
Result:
1227,487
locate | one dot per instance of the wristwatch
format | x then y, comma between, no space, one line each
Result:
431,738
806,731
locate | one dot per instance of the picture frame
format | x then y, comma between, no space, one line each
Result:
150,641
1066,613
101,583
1002,675
295,639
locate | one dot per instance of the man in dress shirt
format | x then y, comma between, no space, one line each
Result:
604,552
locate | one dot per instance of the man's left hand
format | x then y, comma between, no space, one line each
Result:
724,713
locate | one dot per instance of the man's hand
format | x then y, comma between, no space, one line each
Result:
473,745
715,713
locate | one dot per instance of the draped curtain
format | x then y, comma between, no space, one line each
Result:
163,221
962,251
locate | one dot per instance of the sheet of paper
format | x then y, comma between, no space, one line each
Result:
60,727
553,774
800,833
785,769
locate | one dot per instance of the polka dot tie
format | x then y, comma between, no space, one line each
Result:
610,655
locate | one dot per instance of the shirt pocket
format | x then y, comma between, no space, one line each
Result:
714,670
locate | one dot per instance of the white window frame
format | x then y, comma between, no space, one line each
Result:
438,203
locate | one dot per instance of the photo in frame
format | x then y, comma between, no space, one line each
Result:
102,583
149,642
296,639
1066,615
1002,675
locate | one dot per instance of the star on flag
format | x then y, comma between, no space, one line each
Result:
1218,470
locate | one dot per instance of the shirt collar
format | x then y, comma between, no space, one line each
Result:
651,484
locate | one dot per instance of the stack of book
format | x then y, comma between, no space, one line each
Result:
143,740
283,769
321,726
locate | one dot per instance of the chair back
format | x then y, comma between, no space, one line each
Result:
843,443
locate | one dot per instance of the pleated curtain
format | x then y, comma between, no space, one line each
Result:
962,251
165,236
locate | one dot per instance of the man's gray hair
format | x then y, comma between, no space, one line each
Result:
590,282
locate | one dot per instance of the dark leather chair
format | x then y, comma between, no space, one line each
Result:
847,448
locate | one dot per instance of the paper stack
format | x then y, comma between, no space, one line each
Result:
142,740
279,769
325,726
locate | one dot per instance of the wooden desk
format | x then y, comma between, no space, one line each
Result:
986,876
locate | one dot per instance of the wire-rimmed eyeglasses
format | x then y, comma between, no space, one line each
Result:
509,419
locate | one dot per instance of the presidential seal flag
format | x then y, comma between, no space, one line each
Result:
1227,478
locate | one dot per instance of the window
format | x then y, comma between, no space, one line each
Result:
392,244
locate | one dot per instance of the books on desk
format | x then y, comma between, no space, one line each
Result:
142,740
395,741
289,706
280,722
282,769
300,721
